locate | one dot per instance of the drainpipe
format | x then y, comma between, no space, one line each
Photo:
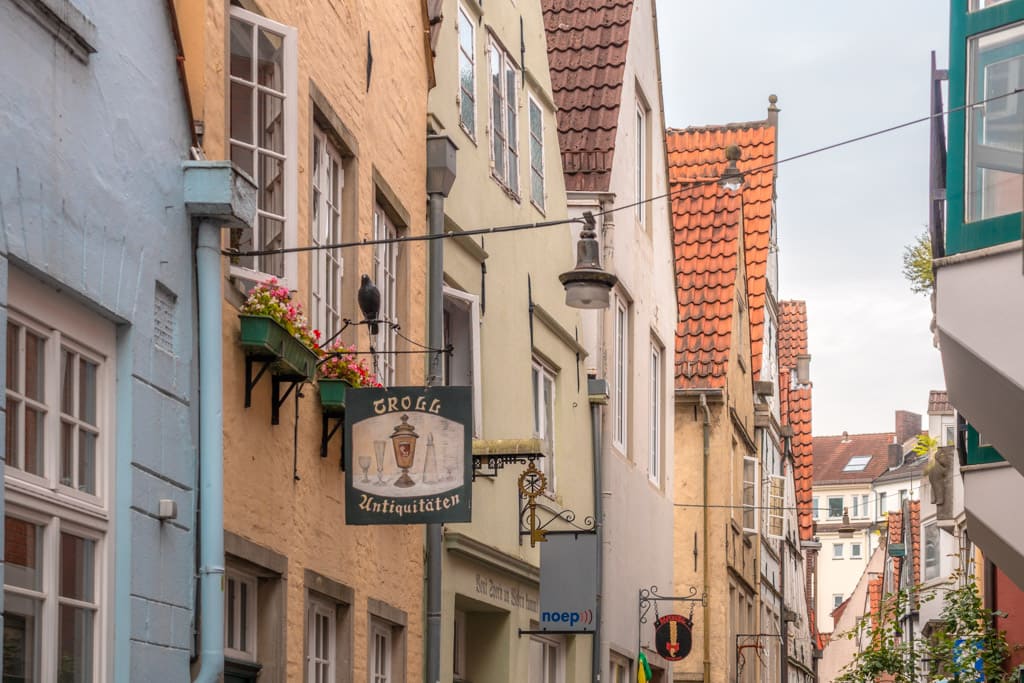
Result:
707,569
218,197
597,389
440,177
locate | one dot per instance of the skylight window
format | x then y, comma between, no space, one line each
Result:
857,463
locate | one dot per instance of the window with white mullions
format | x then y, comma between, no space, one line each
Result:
321,642
380,654
240,616
546,660
620,410
467,73
262,129
79,429
654,449
544,417
327,265
750,494
385,263
504,118
536,154
26,404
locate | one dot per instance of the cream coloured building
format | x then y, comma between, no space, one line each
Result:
513,338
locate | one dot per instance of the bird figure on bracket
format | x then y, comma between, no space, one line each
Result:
369,303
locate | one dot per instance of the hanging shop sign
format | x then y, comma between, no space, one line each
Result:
408,455
568,582
673,636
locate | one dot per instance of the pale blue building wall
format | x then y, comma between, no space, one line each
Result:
91,201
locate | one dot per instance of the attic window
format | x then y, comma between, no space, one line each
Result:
857,463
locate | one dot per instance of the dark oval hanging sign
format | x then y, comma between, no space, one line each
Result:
672,637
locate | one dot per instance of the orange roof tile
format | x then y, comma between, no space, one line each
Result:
697,155
587,44
915,538
895,529
875,597
938,403
796,408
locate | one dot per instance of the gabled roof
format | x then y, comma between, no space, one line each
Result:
697,155
706,238
796,408
587,43
832,453
938,403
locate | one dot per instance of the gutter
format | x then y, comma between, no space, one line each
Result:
217,196
707,571
597,389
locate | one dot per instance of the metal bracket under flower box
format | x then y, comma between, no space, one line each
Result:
332,402
290,362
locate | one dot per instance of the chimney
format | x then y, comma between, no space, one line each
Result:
908,426
803,369
846,436
895,455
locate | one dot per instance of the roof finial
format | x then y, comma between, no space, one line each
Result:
773,110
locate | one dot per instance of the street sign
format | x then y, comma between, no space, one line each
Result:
568,583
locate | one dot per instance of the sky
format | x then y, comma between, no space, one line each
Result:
840,68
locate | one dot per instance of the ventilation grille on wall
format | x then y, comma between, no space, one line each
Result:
164,304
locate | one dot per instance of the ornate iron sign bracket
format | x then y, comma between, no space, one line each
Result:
649,597
536,518
489,465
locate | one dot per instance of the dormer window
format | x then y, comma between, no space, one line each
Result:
857,463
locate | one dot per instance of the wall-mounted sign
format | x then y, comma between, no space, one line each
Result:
673,636
408,455
568,583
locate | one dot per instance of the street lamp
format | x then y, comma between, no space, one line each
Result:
588,284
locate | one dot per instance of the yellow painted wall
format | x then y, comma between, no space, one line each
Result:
303,519
732,559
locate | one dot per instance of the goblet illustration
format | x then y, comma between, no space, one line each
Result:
403,440
379,447
364,462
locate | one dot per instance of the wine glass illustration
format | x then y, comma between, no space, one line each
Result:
364,463
379,447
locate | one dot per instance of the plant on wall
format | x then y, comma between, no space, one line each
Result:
966,645
272,300
341,363
917,264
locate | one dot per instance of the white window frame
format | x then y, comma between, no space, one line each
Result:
815,510
459,646
326,216
620,368
641,162
837,551
289,34
856,551
550,648
506,169
883,507
385,268
465,21
232,642
837,600
321,609
856,506
751,490
536,141
544,416
774,524
381,634
842,503
471,302
654,457
931,568
865,511
44,500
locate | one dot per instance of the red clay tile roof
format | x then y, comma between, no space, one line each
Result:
938,403
587,44
915,538
796,409
875,597
832,453
895,529
698,155
707,254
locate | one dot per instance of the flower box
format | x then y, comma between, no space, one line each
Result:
263,337
332,394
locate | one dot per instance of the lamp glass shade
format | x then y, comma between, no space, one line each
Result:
587,295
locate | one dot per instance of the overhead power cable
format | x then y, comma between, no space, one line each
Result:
668,195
